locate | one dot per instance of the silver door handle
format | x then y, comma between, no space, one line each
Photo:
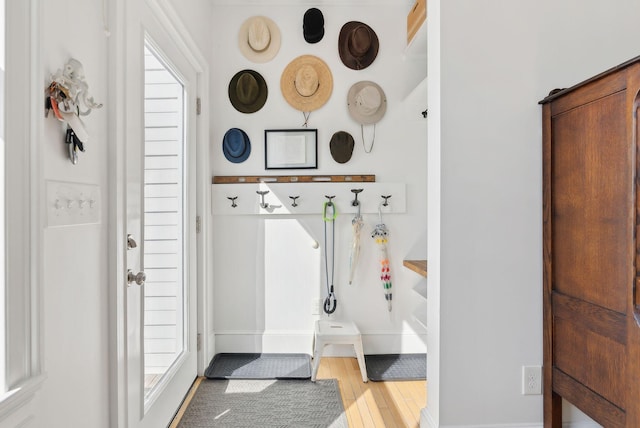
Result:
139,278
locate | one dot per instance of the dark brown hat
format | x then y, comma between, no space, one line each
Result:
341,146
313,25
248,91
357,45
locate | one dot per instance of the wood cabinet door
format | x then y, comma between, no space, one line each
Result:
589,250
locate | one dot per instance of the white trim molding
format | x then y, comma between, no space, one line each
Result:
23,299
20,396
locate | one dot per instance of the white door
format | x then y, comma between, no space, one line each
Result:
161,255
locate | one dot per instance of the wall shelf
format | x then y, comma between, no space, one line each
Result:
418,266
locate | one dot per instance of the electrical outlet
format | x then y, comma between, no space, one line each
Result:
531,380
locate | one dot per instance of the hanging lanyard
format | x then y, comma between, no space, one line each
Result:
330,303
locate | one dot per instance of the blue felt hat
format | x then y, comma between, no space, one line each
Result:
236,145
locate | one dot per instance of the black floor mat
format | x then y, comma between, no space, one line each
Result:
381,367
259,366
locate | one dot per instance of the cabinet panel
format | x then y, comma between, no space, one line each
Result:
592,203
594,360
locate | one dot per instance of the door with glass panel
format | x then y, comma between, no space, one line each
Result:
161,294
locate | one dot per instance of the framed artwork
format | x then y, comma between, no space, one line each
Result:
291,148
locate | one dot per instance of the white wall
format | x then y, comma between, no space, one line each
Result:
498,59
75,259
246,318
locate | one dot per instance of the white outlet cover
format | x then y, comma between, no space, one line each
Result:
531,380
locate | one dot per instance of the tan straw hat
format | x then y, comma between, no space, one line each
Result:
259,39
306,83
366,102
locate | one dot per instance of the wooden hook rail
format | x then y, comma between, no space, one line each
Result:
239,179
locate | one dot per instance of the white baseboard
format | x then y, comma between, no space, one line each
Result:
302,342
268,342
494,426
428,423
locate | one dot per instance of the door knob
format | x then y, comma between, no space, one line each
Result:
139,278
131,243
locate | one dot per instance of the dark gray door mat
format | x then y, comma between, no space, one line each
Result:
259,366
381,367
265,403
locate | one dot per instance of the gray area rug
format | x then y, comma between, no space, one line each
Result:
259,366
265,403
381,367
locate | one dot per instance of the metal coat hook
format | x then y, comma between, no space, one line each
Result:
356,202
233,201
330,199
262,203
293,198
425,113
386,200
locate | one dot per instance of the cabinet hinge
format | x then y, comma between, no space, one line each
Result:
198,224
199,342
198,106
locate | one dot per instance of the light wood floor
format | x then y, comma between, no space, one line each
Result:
367,405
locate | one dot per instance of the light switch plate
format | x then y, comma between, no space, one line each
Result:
72,203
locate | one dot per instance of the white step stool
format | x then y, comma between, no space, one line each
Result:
337,333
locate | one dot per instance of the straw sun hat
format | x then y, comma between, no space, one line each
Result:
306,83
259,39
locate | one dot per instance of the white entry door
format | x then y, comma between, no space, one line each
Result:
161,245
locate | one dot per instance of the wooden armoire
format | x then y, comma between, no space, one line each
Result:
591,250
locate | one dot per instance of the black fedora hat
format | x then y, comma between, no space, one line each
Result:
341,146
313,25
357,45
248,91
236,145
